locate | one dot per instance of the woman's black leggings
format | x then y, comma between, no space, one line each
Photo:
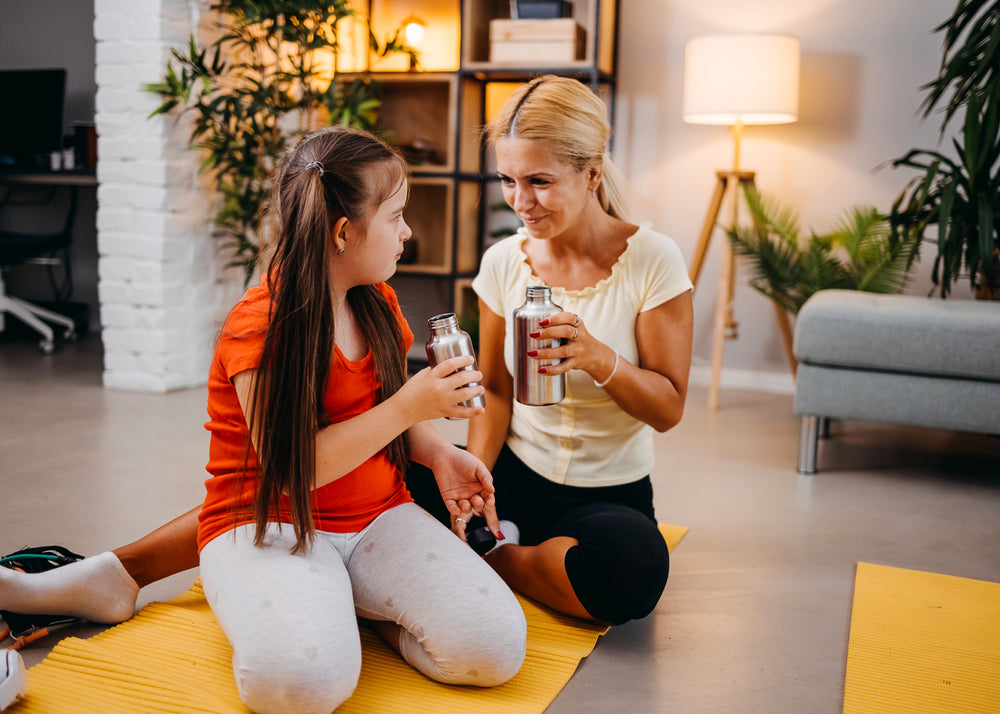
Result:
619,567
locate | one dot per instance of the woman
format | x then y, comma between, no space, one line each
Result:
574,477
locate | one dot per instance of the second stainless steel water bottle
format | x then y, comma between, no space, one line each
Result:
530,387
448,340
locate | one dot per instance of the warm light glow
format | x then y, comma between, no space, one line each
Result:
748,79
414,32
439,23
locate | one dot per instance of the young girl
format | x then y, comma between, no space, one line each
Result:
307,523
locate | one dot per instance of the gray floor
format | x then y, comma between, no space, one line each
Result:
756,614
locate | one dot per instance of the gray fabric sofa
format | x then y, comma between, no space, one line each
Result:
902,359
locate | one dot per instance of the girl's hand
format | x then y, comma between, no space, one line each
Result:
438,392
467,489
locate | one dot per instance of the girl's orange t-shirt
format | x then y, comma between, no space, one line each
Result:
346,505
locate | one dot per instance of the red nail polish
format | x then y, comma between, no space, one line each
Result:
501,536
532,353
543,322
536,333
542,370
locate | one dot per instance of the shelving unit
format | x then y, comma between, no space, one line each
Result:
436,115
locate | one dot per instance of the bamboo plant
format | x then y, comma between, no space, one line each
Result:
254,90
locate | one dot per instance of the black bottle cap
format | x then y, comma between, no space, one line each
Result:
479,536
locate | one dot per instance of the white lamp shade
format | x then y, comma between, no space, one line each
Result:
753,79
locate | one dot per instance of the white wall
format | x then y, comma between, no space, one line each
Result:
863,62
163,286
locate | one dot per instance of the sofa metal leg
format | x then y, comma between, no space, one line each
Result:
808,444
823,430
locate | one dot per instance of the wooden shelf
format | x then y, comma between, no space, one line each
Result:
441,114
465,300
438,49
428,214
419,114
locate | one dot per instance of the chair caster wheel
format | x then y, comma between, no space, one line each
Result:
46,347
70,335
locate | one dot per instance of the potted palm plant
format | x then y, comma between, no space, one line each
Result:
860,253
960,193
258,86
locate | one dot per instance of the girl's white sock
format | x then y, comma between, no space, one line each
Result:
98,589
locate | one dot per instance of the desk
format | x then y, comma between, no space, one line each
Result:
40,246
40,177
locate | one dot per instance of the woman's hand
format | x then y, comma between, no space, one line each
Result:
653,389
578,349
467,489
436,392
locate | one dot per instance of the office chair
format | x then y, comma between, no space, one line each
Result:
49,249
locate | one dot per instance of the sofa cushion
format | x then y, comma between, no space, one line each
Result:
900,333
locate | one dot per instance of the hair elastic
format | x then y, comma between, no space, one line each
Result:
316,165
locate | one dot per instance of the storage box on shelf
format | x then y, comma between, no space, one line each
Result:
593,19
539,9
536,42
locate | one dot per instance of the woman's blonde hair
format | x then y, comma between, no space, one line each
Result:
573,121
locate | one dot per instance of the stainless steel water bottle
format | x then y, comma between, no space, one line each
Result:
448,340
530,387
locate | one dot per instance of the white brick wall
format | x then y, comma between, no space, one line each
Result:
162,283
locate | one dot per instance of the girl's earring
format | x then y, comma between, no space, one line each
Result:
340,251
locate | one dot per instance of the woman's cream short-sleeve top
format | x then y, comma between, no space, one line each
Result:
585,440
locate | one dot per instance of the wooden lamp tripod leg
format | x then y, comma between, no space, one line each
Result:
725,326
708,227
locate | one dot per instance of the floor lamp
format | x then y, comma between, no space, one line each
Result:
736,80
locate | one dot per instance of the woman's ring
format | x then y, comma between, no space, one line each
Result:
575,333
459,518
576,321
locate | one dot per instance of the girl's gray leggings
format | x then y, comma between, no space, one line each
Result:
292,619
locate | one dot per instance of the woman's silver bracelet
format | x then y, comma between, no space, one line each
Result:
610,376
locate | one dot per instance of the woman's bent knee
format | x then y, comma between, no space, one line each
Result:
620,567
296,682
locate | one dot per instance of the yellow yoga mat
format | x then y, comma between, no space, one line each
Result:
922,642
173,657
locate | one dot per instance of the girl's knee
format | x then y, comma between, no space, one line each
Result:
483,650
506,635
305,682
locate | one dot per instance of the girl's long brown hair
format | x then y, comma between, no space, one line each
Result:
333,173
